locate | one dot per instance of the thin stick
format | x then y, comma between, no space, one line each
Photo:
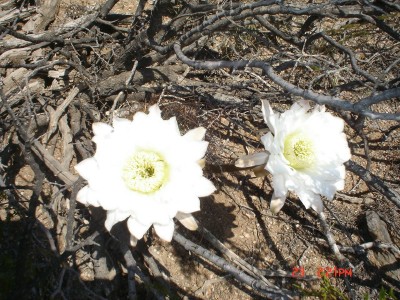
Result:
374,182
257,285
71,213
362,247
131,266
59,111
343,261
232,256
121,92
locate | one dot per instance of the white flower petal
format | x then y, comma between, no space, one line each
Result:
195,150
87,168
113,217
268,142
329,122
165,231
202,163
188,203
139,117
101,129
136,228
317,205
82,195
187,220
310,199
133,241
277,203
155,110
268,114
279,184
155,212
195,134
277,165
252,160
173,125
88,196
326,189
121,123
203,187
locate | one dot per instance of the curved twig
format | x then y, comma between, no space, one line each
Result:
306,94
258,285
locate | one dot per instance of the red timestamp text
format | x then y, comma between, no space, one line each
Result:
299,272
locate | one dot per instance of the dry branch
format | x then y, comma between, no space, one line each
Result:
54,117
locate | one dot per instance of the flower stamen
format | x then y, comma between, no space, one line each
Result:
145,172
299,151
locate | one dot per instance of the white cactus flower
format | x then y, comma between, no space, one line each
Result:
306,154
144,170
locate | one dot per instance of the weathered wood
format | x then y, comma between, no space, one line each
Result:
7,5
67,147
13,13
54,117
33,88
47,12
159,75
13,79
383,257
81,22
19,55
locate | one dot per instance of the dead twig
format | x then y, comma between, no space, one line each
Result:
54,117
258,285
374,182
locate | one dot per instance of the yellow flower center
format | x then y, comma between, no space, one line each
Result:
145,172
299,150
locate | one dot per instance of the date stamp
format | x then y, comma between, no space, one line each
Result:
299,272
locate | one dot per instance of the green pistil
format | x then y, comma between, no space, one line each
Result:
299,151
145,172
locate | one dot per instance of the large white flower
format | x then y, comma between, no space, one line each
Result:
306,154
144,170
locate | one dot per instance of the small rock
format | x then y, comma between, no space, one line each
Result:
224,121
377,228
10,82
369,201
384,258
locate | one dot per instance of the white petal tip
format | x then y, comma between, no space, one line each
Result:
306,104
133,241
260,171
120,121
276,205
165,232
136,228
204,187
252,160
196,134
187,220
82,195
87,168
87,197
268,115
102,129
266,106
318,206
202,163
155,109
